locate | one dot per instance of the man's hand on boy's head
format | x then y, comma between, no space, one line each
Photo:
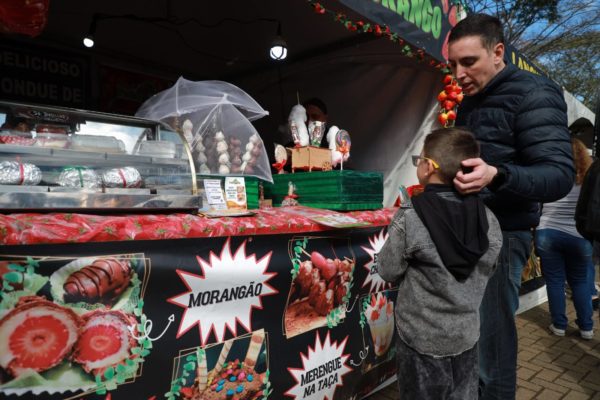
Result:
480,176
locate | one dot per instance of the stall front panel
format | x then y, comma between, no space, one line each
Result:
297,311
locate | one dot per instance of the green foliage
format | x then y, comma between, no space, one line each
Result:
363,309
267,389
299,247
334,317
192,361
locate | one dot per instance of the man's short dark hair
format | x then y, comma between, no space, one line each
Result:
315,101
488,28
448,147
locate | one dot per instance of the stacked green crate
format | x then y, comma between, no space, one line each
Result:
334,190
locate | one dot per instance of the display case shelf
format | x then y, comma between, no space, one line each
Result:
65,159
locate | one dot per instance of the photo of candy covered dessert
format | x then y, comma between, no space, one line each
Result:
320,286
380,318
236,378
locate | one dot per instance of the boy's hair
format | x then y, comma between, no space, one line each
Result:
448,147
488,28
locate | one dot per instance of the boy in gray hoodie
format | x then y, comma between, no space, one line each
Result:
442,253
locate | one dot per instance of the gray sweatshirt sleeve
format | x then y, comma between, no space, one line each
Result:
391,259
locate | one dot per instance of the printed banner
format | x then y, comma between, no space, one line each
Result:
298,316
36,74
425,23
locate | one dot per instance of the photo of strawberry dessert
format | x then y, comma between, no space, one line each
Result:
101,281
36,335
104,340
380,318
321,285
69,325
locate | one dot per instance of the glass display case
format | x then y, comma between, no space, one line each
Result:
55,158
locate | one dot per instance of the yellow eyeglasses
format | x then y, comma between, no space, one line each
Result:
416,159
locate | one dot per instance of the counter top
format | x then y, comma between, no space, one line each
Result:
54,228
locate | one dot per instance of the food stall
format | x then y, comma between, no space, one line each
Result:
112,285
114,288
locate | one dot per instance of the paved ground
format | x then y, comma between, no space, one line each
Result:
549,367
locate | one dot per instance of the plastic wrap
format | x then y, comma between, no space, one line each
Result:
95,143
215,118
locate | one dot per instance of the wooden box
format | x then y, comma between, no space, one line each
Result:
308,158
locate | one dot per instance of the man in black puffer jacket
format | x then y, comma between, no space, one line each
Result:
520,121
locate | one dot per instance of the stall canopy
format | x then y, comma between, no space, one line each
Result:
374,63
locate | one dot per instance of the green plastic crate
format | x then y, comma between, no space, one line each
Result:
334,190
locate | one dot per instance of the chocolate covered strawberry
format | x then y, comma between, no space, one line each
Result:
104,340
36,335
327,266
100,282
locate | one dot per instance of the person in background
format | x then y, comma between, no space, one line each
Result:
441,253
520,121
587,213
566,255
316,110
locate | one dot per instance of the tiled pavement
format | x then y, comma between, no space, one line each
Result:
549,367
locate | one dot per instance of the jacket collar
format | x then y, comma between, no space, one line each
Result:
500,77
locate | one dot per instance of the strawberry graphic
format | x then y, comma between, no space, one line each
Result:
99,342
375,315
38,340
36,335
104,340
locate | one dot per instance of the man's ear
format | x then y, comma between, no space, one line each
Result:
498,53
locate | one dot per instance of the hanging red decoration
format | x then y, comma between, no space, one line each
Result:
449,100
380,31
319,8
27,17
